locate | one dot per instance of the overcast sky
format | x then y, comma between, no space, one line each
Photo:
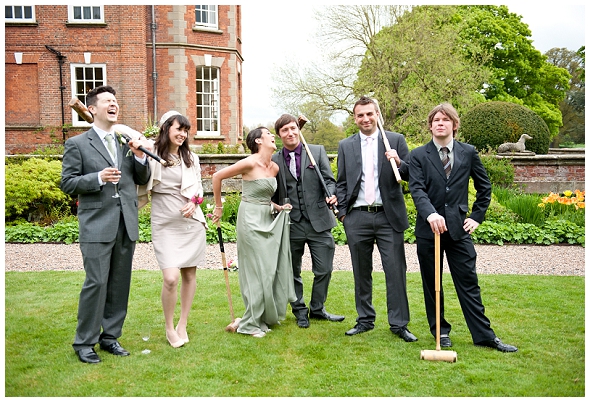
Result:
276,33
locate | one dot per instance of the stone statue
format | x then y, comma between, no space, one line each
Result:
511,147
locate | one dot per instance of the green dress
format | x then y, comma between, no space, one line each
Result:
264,255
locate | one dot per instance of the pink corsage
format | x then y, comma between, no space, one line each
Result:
197,200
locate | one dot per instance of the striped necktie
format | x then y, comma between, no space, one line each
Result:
446,161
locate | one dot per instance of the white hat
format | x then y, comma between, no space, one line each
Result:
167,115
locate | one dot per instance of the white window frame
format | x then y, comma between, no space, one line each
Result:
211,15
72,19
88,85
22,9
207,101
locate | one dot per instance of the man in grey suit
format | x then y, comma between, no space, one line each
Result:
311,219
108,226
372,209
439,183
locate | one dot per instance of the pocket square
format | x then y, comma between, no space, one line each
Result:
310,166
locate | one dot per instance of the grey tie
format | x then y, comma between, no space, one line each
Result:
293,165
446,161
111,145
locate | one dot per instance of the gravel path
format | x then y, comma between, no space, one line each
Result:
562,260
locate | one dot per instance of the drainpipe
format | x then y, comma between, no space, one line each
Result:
61,61
154,71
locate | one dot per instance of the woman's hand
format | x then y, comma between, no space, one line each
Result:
188,210
217,213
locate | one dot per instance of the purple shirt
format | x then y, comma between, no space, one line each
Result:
287,157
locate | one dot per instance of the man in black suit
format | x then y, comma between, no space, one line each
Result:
372,209
311,220
439,183
108,226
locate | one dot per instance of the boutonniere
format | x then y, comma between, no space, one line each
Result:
120,139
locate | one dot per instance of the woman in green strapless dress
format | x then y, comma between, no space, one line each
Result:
265,274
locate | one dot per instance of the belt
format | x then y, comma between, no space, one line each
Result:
367,208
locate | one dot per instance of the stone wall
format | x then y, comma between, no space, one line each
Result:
558,171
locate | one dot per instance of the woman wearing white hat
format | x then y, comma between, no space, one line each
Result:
178,224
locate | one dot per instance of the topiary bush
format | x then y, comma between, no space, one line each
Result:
32,191
491,124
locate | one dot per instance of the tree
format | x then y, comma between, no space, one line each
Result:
573,106
417,63
345,32
520,73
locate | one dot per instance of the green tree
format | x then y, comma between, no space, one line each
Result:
520,73
573,106
417,63
328,135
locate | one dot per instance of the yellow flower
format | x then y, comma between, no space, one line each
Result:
567,193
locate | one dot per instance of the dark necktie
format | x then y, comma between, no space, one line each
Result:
446,161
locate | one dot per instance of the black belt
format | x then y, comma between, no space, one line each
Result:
367,208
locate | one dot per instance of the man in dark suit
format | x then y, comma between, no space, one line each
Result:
311,219
372,209
439,183
108,226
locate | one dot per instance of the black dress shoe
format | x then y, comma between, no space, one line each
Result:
445,341
404,333
302,322
324,315
497,344
358,329
88,355
115,349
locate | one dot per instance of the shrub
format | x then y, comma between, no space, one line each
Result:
491,124
32,191
500,171
219,148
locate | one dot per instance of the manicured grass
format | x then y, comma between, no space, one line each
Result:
543,316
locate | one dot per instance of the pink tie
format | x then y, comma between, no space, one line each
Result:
369,179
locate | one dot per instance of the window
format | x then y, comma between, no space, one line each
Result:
84,78
86,14
19,13
206,16
207,101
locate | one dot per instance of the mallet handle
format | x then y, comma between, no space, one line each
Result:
301,122
437,286
386,142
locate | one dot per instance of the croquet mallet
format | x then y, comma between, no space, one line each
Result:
380,122
233,326
438,355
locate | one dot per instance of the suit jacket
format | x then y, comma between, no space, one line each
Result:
98,213
191,184
433,192
314,197
350,168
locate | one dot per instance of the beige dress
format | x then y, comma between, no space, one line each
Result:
178,241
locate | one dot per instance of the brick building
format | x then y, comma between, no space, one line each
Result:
158,58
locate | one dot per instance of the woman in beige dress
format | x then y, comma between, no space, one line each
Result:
178,224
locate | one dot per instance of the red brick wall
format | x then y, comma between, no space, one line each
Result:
123,43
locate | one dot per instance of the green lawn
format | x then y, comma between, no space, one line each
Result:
543,316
